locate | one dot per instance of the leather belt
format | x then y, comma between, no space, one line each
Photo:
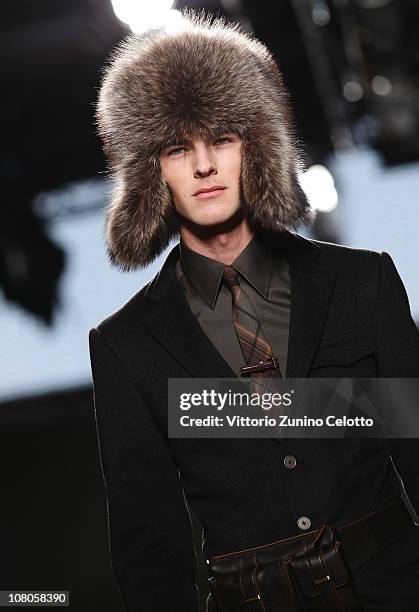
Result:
306,571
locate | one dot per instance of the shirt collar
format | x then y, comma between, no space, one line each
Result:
254,263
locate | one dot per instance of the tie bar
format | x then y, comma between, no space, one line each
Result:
271,363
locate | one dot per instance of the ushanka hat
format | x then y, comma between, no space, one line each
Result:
205,79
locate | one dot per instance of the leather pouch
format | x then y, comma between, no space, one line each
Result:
321,575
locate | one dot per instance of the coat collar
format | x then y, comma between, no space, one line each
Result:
174,326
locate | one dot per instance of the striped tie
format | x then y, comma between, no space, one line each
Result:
253,342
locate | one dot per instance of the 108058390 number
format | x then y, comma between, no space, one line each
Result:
34,598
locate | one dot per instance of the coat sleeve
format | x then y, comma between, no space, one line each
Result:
150,533
398,357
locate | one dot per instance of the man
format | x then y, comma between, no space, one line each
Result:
196,127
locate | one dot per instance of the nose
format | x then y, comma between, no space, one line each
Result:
204,160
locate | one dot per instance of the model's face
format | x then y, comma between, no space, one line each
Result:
200,165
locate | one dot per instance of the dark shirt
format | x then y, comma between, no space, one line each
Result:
264,278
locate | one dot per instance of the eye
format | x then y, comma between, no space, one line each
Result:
223,140
176,151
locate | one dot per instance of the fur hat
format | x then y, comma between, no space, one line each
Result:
204,79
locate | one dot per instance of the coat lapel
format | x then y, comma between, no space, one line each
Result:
175,327
311,290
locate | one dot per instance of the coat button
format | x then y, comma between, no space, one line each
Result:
290,462
304,523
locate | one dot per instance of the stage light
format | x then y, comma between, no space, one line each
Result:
353,91
141,16
320,13
381,85
319,187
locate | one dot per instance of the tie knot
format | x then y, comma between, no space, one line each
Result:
230,277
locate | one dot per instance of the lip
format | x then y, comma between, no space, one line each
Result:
209,192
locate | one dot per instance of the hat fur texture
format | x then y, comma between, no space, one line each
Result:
206,79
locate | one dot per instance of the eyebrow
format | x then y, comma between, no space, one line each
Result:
187,142
176,143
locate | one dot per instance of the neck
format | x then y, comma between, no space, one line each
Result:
224,243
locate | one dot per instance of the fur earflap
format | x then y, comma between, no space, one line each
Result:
162,87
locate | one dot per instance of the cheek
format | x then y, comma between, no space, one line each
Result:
235,175
175,178
171,184
179,198
235,167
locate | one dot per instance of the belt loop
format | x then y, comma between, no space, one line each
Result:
249,583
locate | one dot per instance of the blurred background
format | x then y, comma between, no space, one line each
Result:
352,69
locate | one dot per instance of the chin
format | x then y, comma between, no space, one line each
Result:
216,215
211,220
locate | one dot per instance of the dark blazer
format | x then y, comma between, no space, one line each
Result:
349,318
